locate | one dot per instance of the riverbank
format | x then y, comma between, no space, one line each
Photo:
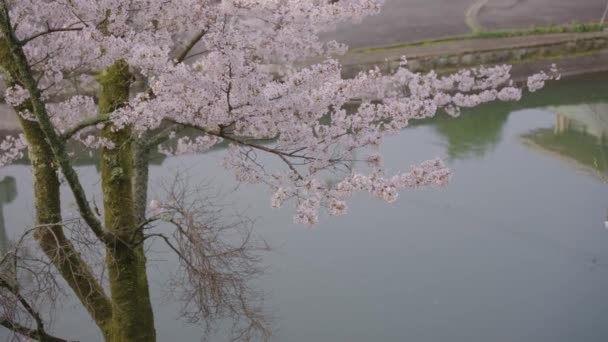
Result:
573,52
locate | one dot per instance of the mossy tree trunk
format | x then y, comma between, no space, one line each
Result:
132,318
49,234
131,310
141,157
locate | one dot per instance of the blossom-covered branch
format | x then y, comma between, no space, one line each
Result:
23,69
233,91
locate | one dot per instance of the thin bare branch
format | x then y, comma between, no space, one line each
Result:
39,333
182,56
30,333
218,258
49,31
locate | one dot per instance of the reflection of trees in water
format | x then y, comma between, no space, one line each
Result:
8,193
473,134
571,140
478,130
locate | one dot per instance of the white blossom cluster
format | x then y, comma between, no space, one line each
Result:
16,95
208,65
537,81
11,149
187,145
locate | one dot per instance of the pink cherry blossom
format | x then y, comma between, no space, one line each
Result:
240,71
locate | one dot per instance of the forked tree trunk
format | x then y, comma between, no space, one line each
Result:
132,319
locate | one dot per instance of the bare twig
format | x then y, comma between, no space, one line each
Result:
218,258
48,31
182,56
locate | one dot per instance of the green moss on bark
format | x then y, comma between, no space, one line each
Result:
8,69
141,155
50,236
132,318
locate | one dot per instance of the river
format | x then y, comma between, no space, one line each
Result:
513,249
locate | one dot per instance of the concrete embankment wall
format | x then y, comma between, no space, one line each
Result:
575,54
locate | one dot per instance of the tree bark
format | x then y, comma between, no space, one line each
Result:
141,167
132,318
131,311
21,69
49,234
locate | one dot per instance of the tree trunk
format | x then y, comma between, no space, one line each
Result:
132,318
49,234
141,155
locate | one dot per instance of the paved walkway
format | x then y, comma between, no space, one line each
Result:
411,20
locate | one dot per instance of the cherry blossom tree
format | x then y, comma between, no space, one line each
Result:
127,77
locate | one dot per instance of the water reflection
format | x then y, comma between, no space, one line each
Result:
511,250
579,137
8,193
472,135
477,131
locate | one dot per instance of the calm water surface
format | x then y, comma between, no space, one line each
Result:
514,249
